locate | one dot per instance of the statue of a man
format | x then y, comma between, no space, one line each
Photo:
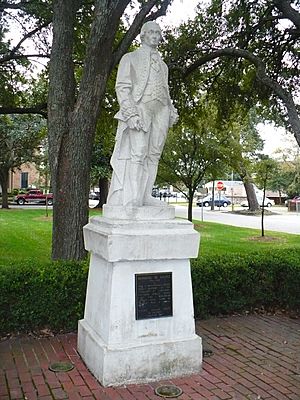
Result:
145,115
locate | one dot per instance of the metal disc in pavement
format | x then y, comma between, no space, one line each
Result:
168,391
61,366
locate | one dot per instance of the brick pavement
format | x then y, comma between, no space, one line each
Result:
254,357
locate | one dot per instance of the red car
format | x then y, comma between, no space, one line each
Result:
34,196
292,201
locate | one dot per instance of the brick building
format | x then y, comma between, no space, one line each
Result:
25,176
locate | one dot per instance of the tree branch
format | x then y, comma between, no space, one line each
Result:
28,35
5,5
160,12
262,76
9,57
284,6
13,55
37,109
136,25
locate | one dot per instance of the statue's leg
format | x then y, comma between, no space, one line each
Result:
159,129
135,176
148,199
136,168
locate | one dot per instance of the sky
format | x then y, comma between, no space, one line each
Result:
276,138
180,11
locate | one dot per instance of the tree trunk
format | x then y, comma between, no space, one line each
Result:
103,187
212,207
4,185
249,188
280,197
263,211
71,190
251,195
65,160
250,192
190,205
71,125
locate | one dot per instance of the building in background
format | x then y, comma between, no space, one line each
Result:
24,177
235,190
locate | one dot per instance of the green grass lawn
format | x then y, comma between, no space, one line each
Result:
26,234
218,239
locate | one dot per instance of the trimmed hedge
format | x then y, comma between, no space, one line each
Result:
34,296
235,283
52,295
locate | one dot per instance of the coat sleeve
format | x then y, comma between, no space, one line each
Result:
124,86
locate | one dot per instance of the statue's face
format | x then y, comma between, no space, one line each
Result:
152,36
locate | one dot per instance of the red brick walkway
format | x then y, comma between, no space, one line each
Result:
253,358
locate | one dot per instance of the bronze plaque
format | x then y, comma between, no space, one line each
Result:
153,295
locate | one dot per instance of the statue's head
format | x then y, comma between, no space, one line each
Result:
151,34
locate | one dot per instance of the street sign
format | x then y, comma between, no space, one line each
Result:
220,185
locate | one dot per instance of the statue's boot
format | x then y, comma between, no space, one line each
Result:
149,200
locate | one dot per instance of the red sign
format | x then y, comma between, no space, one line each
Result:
220,185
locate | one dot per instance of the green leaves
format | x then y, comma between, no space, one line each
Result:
29,289
20,136
221,285
237,283
256,27
196,147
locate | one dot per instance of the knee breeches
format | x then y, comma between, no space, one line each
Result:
150,144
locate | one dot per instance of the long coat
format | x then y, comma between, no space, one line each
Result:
132,78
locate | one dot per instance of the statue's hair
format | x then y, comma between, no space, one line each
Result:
145,28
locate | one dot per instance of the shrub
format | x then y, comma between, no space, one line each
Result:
52,295
36,296
235,283
14,192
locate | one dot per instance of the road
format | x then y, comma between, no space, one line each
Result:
280,221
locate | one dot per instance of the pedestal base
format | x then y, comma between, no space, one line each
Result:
138,324
138,363
146,213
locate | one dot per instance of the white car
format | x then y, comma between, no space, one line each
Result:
268,202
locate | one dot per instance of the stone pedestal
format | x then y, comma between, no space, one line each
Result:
122,339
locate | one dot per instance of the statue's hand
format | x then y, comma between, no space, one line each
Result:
135,123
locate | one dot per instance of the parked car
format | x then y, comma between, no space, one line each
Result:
294,200
167,194
218,202
163,193
268,202
34,196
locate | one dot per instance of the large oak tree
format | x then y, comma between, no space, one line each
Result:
74,107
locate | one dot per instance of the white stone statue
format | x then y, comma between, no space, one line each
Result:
145,115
